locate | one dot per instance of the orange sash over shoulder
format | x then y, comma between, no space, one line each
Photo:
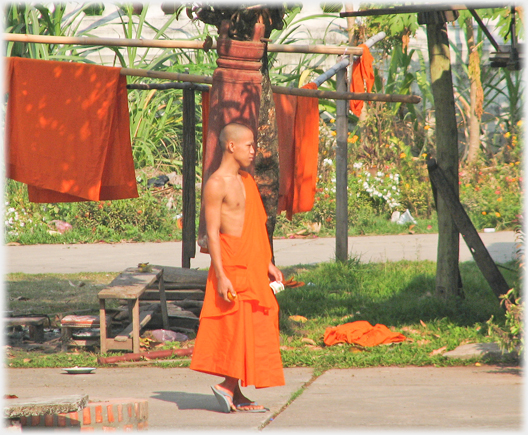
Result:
245,260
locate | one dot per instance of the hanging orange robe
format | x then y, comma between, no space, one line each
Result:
362,78
68,131
240,339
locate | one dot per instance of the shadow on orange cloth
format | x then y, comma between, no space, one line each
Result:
298,151
362,76
241,338
362,333
68,131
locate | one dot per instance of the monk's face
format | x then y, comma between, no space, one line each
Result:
243,148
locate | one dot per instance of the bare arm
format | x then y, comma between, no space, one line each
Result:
214,194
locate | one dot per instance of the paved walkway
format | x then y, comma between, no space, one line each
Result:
388,398
104,257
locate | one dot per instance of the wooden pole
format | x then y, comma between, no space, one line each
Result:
409,9
481,255
189,178
314,93
447,282
170,43
341,171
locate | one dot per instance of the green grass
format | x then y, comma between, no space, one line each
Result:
399,295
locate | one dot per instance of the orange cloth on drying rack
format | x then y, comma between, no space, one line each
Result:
68,131
298,129
241,338
362,77
363,333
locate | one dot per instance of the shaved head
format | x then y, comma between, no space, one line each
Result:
232,133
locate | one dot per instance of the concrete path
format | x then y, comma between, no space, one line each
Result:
105,257
388,398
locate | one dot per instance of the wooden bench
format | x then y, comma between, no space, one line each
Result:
130,285
71,322
35,324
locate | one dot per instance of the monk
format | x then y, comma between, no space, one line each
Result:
238,337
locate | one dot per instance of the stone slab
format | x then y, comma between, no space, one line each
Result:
408,398
467,351
27,407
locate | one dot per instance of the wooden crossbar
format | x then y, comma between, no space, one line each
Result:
172,43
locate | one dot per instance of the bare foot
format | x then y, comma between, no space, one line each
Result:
242,403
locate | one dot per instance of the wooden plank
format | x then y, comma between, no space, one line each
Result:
163,303
189,178
341,171
174,295
181,275
481,255
144,317
111,344
16,408
24,321
103,327
129,284
179,286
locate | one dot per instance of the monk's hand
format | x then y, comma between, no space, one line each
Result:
274,273
226,290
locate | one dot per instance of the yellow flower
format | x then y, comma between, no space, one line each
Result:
507,134
519,123
332,120
424,155
427,127
333,133
499,199
468,184
517,163
484,213
403,155
497,214
407,185
511,164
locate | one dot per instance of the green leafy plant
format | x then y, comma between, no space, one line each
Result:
510,333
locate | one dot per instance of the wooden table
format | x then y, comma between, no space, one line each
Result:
130,285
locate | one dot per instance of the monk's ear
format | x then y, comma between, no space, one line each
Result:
230,146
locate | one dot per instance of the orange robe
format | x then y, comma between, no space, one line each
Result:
68,131
362,77
363,333
240,339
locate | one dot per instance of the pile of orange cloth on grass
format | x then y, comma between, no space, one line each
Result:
68,131
362,333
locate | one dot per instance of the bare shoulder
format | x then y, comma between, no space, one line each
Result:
215,186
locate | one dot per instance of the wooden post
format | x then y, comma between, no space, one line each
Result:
447,283
341,171
189,178
481,255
